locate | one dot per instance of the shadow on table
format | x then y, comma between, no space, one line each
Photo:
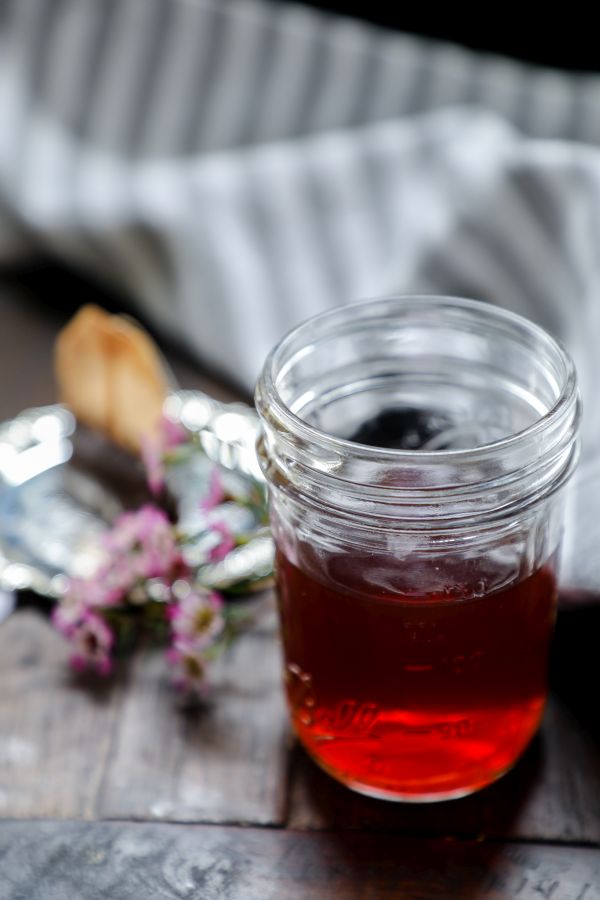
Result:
372,838
575,663
549,795
418,869
320,802
545,796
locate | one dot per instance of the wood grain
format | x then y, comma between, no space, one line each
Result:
125,861
55,734
555,793
72,748
227,763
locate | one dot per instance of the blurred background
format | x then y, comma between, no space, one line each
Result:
566,42
225,169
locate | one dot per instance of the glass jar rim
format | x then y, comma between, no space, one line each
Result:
483,312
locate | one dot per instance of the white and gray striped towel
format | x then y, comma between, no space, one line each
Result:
235,167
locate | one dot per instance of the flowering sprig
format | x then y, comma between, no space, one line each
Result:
198,626
157,448
146,582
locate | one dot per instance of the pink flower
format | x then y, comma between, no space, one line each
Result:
173,433
142,545
67,614
132,529
81,595
169,435
92,642
196,623
189,668
197,619
152,458
227,542
215,494
116,579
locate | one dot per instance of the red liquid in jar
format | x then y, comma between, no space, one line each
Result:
410,697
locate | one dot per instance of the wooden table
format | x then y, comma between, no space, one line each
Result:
111,790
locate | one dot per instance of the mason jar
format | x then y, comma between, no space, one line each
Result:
416,451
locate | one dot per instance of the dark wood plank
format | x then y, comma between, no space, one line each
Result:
555,793
552,794
55,736
51,861
125,748
227,763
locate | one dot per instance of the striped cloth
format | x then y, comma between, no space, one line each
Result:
235,167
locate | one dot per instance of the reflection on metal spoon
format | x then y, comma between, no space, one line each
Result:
51,514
